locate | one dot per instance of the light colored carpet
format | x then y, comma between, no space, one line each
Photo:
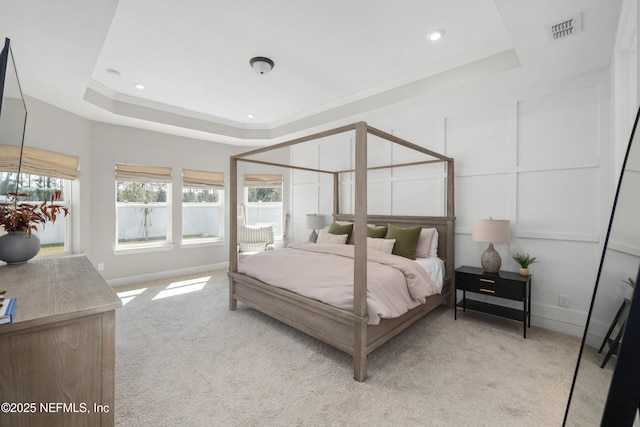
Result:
186,360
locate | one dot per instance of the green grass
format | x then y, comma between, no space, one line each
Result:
51,250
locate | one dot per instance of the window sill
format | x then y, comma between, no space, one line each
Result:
188,244
55,255
140,249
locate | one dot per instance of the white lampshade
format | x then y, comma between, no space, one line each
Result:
315,221
491,230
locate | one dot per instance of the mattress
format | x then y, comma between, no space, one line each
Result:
434,268
325,273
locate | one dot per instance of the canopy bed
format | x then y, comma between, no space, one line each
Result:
353,330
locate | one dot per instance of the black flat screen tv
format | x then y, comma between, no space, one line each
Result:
13,120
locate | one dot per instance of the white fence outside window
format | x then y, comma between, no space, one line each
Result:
140,222
266,213
201,220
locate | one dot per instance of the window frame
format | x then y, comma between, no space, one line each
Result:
220,205
21,160
204,180
67,243
253,182
137,173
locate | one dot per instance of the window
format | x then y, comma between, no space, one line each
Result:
142,202
41,173
38,188
263,201
202,206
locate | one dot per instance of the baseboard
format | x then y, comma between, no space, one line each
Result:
567,321
559,319
558,326
554,318
114,283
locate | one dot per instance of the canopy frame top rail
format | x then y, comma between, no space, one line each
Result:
438,158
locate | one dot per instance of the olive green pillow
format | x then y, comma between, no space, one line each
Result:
341,229
406,240
377,232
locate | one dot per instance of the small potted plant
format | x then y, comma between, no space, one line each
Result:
20,219
524,260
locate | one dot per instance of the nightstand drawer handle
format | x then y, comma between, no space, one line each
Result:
491,291
487,280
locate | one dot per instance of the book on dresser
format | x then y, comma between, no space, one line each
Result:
7,310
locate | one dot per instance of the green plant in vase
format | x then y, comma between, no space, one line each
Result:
524,260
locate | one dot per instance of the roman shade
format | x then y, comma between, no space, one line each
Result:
139,173
39,162
202,179
262,181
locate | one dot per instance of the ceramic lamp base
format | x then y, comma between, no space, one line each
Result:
490,260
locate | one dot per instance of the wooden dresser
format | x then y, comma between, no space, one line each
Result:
57,358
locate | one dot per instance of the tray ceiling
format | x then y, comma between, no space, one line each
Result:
333,58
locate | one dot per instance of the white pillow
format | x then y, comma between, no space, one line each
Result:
427,243
384,245
326,237
434,244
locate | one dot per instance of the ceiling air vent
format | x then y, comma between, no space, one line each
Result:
565,28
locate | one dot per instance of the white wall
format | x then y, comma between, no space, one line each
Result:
53,129
100,146
114,144
536,154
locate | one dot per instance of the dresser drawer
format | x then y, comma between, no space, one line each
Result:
490,285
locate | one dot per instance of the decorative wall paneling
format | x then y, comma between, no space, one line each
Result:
539,161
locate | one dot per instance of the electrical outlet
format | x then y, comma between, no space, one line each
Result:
564,300
100,266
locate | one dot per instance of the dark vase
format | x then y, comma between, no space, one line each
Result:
16,247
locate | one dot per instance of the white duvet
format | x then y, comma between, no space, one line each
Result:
324,272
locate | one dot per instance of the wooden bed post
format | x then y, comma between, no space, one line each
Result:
451,234
360,257
336,194
233,226
450,196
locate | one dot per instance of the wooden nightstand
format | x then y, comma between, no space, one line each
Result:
503,284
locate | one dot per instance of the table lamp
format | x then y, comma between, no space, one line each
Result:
314,222
491,231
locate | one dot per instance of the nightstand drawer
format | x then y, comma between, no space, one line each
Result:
494,286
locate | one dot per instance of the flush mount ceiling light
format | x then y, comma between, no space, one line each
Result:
139,86
435,35
261,64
